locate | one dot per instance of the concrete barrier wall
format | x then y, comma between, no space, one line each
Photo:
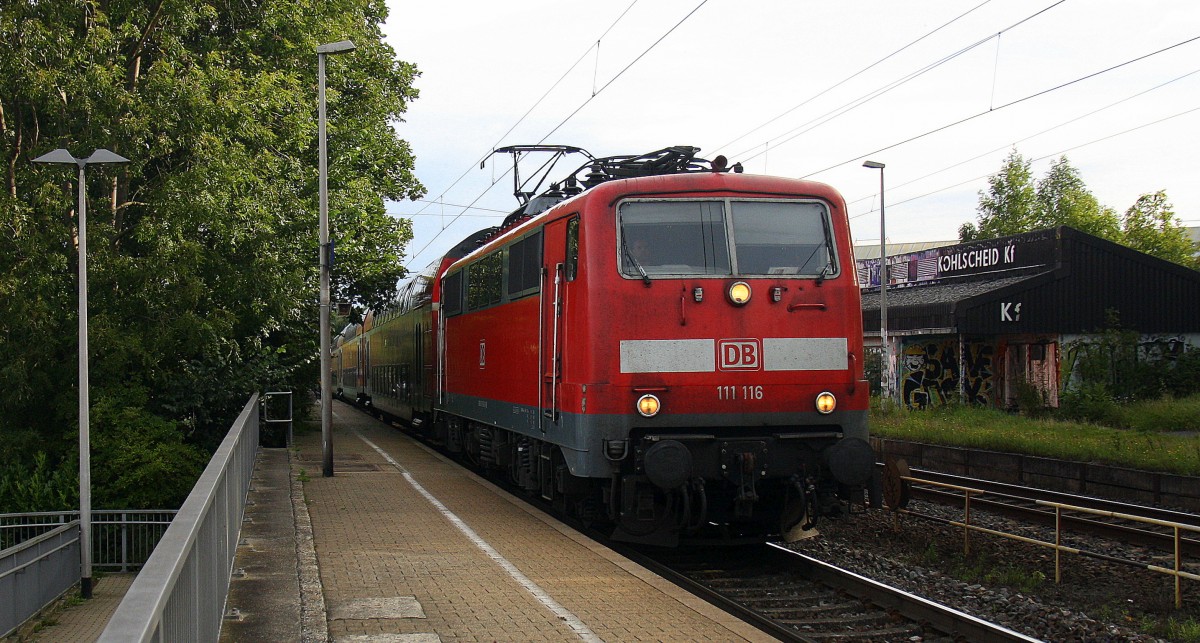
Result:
1127,485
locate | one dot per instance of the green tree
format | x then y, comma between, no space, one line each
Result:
1150,226
1010,204
203,250
1014,203
1063,199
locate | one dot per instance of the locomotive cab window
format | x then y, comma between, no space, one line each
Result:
673,238
782,238
725,237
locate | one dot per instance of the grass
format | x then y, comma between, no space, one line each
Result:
976,569
1151,449
1166,414
1184,630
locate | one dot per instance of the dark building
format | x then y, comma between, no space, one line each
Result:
976,320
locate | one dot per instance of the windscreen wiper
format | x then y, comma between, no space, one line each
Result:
632,260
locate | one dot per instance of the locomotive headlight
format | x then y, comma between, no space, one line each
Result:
826,403
739,292
648,406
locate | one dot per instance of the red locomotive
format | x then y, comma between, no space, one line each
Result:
656,343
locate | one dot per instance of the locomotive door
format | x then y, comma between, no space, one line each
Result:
552,338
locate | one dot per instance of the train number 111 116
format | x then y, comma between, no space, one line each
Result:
739,392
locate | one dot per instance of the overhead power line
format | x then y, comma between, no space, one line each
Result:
1040,158
1029,137
452,205
595,93
1005,105
622,72
487,153
850,77
847,107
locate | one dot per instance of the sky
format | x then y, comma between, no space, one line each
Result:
940,92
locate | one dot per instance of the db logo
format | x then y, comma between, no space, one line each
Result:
738,354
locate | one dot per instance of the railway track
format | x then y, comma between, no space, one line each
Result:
1118,521
797,598
794,597
1153,539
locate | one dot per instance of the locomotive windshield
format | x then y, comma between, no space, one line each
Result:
725,238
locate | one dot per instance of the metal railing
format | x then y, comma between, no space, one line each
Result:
180,593
1058,546
36,572
122,539
273,415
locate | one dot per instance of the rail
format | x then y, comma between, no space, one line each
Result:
180,592
272,413
898,477
122,539
36,572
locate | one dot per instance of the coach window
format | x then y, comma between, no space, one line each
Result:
782,238
572,248
673,238
452,294
484,278
524,266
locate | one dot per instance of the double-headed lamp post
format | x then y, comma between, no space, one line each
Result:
344,46
885,388
61,156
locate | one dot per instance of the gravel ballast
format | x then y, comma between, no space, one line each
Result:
1008,582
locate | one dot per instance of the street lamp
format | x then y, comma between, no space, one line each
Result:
341,47
100,156
885,388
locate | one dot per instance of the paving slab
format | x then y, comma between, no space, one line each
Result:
412,547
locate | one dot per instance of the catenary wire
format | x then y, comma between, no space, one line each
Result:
1005,105
850,77
832,114
1040,158
620,73
1026,138
565,120
488,153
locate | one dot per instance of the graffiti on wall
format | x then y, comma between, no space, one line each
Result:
980,373
1156,348
930,373
1150,348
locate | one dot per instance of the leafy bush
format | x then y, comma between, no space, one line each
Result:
1184,376
1031,400
1090,402
40,487
139,460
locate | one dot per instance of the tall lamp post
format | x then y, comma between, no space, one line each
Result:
100,156
885,378
341,47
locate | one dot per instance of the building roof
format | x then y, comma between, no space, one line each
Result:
868,251
1054,281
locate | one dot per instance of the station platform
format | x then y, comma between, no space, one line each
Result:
403,545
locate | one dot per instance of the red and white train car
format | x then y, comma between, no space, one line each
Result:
674,355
